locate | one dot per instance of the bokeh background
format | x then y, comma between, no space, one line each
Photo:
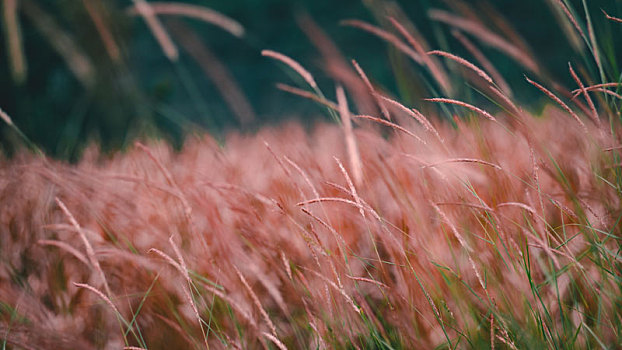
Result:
64,101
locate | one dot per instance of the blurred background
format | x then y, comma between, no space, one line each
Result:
74,72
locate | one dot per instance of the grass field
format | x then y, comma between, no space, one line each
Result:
451,223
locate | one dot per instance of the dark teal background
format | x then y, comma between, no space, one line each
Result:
148,95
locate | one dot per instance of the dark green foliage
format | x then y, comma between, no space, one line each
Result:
143,93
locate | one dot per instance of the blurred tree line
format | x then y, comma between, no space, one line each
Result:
77,71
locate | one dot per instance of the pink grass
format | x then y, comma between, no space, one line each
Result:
577,92
605,91
256,302
90,253
435,70
275,340
101,295
594,114
316,255
66,247
371,89
389,124
465,160
307,94
351,187
611,18
340,200
465,105
195,11
368,280
558,101
297,67
16,56
146,11
351,144
169,179
386,36
486,64
465,63
62,41
486,36
215,70
415,114
453,228
97,15
339,289
6,118
572,19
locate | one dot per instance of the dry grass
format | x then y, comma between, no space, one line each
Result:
495,232
430,252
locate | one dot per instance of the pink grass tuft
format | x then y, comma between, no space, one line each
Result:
293,65
611,18
486,36
386,36
463,104
594,114
465,63
558,101
195,11
146,11
351,145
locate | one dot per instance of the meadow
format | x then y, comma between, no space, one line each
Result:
466,219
